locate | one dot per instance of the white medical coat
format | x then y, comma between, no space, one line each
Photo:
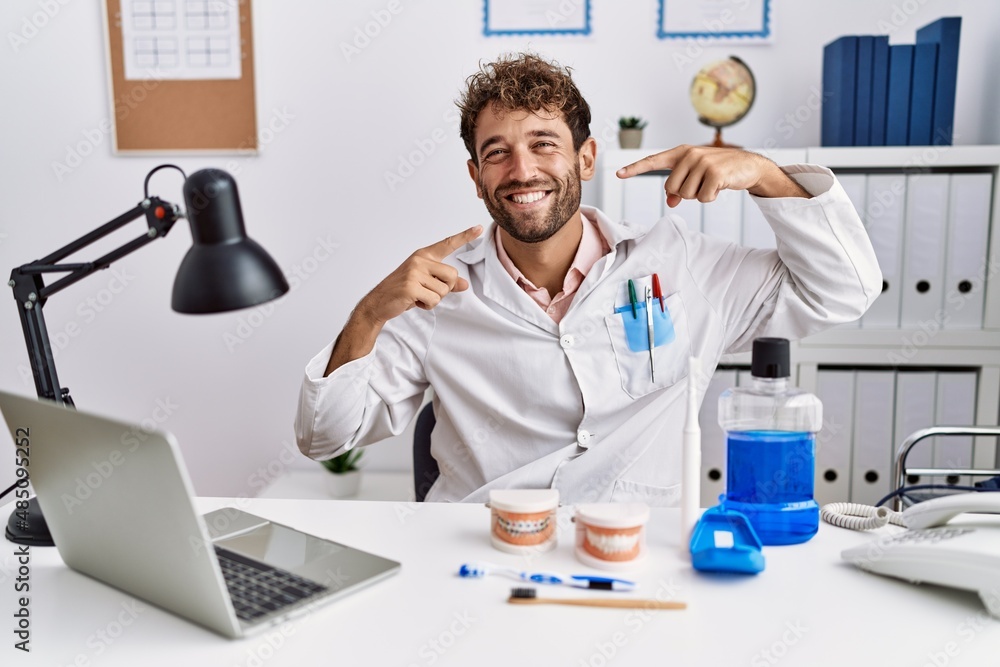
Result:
523,402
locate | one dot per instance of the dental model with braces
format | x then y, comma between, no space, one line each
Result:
523,519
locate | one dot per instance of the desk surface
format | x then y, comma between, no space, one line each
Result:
806,608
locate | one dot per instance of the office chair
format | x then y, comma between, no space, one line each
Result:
901,472
425,467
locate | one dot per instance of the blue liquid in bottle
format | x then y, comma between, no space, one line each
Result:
771,448
770,480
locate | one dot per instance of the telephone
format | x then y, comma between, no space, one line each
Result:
964,554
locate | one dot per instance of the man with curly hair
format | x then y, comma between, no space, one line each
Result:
540,367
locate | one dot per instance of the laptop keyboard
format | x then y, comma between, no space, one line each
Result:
258,589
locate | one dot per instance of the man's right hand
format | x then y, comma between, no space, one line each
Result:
421,281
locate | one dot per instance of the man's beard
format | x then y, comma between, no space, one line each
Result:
565,202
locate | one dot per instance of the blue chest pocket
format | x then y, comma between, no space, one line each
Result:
630,343
637,330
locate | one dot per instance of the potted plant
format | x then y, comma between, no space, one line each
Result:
345,476
630,131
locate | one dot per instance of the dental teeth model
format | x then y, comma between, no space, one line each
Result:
611,536
523,520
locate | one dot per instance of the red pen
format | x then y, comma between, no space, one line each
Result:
657,292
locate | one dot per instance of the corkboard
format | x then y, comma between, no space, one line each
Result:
212,115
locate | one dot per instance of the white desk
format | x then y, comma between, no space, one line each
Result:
806,608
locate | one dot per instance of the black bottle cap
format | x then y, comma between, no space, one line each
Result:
770,358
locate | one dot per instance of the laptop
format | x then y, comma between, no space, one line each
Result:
120,509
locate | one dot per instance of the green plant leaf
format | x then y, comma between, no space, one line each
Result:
631,123
346,462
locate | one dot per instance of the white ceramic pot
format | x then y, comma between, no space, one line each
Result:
344,484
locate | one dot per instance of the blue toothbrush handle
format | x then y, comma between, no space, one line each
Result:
604,582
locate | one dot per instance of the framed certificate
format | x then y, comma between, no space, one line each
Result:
731,21
536,17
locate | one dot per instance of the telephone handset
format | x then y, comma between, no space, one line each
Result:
964,554
940,511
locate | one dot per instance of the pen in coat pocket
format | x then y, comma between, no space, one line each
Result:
649,329
658,291
631,298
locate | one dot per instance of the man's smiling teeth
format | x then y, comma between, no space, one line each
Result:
528,197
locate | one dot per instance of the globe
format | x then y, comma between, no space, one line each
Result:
722,93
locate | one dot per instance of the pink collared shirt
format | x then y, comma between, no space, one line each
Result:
592,247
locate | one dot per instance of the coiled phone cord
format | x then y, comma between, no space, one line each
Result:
860,517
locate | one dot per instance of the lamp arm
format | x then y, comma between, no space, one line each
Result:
31,293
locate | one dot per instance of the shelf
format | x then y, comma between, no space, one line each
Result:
901,348
904,157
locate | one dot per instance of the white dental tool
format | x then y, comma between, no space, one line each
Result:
691,460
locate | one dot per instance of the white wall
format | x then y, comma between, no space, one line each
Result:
321,180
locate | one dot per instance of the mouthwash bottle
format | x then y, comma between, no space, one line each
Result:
771,448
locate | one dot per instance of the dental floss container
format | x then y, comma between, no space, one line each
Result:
611,536
523,520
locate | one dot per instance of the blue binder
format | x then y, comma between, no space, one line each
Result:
840,61
922,93
897,115
945,33
880,89
863,92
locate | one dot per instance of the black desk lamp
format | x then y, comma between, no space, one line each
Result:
224,270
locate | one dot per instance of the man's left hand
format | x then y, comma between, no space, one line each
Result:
701,172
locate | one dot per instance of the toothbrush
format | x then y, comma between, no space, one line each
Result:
530,596
477,570
690,460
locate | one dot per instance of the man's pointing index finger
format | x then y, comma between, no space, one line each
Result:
443,248
657,162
